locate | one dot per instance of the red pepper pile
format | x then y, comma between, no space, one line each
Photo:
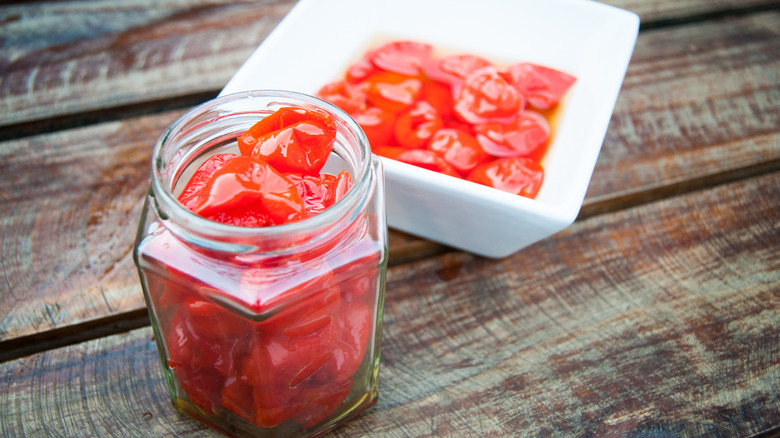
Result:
276,179
301,362
458,115
298,365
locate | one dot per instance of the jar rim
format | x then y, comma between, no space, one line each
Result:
208,233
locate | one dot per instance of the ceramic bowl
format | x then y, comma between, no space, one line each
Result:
318,39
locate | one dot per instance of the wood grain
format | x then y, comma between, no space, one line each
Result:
71,199
72,202
68,57
700,105
667,324
65,58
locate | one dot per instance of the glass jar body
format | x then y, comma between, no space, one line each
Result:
269,331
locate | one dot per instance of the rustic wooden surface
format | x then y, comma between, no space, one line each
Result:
655,314
655,320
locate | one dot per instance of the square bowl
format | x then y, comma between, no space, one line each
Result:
319,39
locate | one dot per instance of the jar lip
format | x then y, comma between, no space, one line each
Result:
166,200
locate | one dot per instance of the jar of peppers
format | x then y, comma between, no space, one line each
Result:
262,253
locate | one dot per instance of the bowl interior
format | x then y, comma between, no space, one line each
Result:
319,38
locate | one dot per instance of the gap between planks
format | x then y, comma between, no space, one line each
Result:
103,115
708,16
73,334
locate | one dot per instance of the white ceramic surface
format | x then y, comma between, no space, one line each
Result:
318,39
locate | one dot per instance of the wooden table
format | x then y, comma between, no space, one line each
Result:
656,314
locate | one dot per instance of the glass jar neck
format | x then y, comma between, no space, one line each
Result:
212,128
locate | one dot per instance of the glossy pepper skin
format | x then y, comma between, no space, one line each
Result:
245,181
404,96
276,179
292,140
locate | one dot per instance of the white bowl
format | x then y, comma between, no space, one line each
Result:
318,39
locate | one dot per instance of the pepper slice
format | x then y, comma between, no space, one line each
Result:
248,181
291,140
487,97
200,177
424,158
518,175
543,87
321,191
459,148
416,126
392,91
525,136
405,57
454,69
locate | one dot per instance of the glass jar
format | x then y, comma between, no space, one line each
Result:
269,331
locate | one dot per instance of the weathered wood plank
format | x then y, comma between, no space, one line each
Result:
71,199
666,11
662,320
700,105
63,57
72,202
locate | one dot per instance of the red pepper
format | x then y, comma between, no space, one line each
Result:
525,136
519,175
392,91
424,158
402,95
487,97
291,140
246,181
416,126
542,86
459,148
404,57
